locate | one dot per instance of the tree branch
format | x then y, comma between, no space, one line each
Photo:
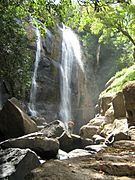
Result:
125,33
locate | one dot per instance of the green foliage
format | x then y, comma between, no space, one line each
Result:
114,23
102,18
15,56
114,19
119,80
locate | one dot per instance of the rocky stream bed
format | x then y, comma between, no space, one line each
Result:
31,149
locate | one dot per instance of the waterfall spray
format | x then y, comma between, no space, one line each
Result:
33,92
71,53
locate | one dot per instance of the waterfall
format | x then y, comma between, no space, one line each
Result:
32,104
71,53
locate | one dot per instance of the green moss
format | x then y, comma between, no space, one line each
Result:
120,78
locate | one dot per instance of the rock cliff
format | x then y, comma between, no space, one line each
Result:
48,84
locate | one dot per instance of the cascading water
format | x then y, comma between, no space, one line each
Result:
71,53
34,84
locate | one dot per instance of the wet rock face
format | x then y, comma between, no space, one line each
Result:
129,95
82,104
48,84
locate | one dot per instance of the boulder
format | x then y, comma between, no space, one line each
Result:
124,144
79,142
129,94
78,153
40,121
121,136
45,147
116,168
104,165
71,142
105,130
53,129
97,139
117,127
111,138
119,105
62,155
95,148
14,122
17,163
66,142
120,125
87,131
109,115
116,156
97,121
104,103
131,132
66,170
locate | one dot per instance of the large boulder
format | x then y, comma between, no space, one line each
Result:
87,131
120,125
120,129
104,103
129,95
14,122
45,147
66,170
71,142
116,128
119,105
53,129
79,143
66,142
17,163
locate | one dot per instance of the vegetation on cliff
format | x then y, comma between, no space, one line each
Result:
117,82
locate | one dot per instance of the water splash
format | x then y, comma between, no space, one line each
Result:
33,92
71,53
